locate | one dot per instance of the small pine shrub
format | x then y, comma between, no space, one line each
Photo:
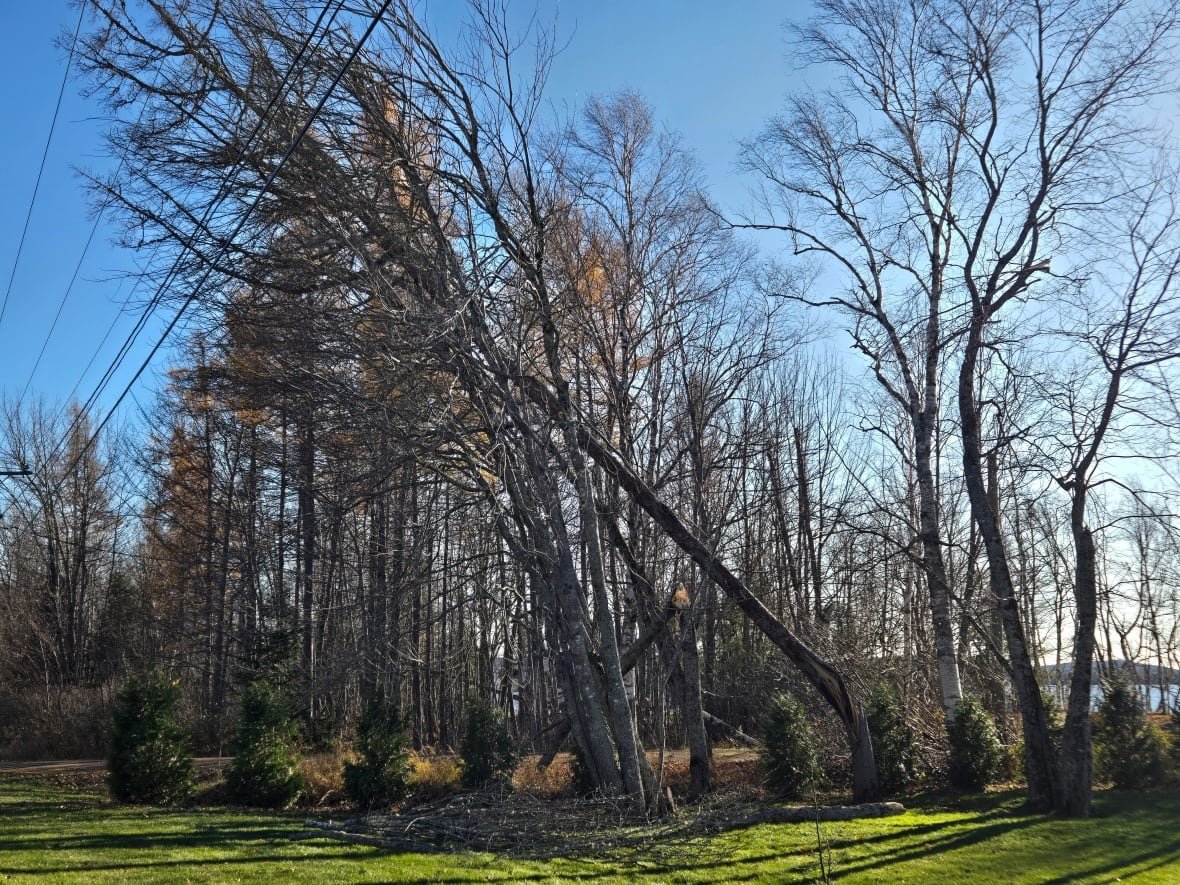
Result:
1128,750
893,739
486,754
265,767
150,759
976,755
788,747
381,776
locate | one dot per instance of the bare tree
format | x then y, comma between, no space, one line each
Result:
875,198
997,131
1125,334
1087,78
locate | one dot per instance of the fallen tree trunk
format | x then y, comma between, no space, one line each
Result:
828,681
730,731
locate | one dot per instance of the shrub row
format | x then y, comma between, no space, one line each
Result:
151,758
1129,752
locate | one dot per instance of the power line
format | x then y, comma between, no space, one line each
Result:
60,308
222,193
70,287
98,349
65,77
236,231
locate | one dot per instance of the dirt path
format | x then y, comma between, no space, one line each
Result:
79,766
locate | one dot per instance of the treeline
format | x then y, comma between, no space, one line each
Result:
479,404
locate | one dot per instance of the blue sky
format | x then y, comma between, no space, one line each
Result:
712,72
31,69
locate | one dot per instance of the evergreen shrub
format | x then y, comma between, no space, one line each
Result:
265,767
486,754
976,755
1128,750
150,759
788,747
381,776
893,739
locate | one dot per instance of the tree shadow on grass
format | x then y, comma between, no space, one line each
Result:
934,837
246,841
21,809
1122,868
191,837
732,868
694,852
38,827
887,857
231,842
140,866
1130,859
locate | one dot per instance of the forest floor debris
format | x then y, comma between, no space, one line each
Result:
522,825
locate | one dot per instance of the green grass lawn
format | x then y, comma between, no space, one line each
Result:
60,834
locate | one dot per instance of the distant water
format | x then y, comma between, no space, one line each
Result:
1151,696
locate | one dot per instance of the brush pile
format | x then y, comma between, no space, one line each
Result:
521,825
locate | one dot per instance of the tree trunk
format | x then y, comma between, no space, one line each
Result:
826,679
307,530
1076,758
692,708
621,717
1039,763
934,567
584,692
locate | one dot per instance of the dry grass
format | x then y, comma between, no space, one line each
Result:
734,770
432,777
551,782
323,774
728,774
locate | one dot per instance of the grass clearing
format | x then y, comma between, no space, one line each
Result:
62,833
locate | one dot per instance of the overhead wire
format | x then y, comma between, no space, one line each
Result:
65,77
232,236
222,193
60,309
70,288
102,342
101,211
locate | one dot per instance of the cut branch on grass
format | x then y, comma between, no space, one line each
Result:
520,825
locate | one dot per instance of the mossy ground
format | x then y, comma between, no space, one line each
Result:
59,832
